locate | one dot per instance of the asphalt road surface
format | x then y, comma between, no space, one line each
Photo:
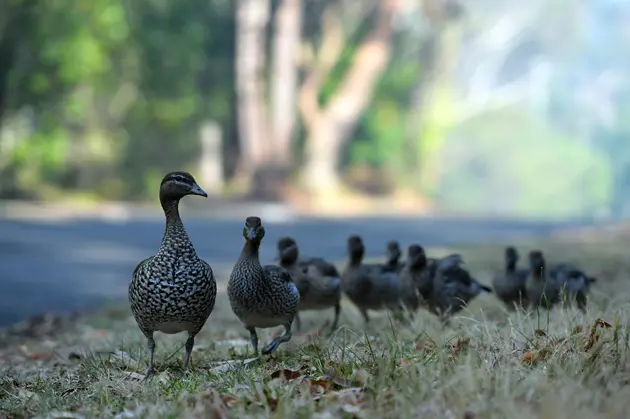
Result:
69,265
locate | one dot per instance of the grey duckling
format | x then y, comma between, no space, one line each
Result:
317,290
509,285
261,296
414,280
574,282
542,289
453,287
368,286
394,253
174,290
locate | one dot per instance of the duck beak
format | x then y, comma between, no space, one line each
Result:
251,233
196,190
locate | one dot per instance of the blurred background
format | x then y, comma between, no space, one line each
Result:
299,110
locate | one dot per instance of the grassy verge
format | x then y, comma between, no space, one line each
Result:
488,363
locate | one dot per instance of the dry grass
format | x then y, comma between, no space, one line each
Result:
488,363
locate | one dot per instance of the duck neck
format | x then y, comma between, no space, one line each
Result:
174,224
355,258
392,262
249,259
287,263
538,272
510,266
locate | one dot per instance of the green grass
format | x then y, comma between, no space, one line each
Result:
487,363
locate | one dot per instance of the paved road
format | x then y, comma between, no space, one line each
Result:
73,264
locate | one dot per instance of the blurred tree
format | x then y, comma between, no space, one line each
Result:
330,125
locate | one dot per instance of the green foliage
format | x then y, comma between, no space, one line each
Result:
123,85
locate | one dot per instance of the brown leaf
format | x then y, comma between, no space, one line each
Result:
419,346
533,357
318,388
603,324
286,374
460,345
230,401
540,332
403,362
362,377
40,355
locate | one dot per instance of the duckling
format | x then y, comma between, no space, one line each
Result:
509,285
394,253
318,291
368,286
575,283
326,268
261,296
453,287
542,289
414,281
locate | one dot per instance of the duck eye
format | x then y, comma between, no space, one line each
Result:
179,178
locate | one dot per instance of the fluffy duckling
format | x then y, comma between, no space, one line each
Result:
261,296
368,286
509,285
453,287
574,282
542,289
318,291
414,281
394,253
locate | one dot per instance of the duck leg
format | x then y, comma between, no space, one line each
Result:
190,342
365,315
277,341
336,319
151,346
253,338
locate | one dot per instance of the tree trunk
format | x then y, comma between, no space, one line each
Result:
329,127
284,77
252,17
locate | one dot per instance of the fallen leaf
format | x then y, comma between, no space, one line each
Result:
318,388
362,377
604,324
403,362
461,344
540,332
230,401
40,355
287,374
533,357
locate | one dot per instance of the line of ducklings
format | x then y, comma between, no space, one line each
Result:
442,286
